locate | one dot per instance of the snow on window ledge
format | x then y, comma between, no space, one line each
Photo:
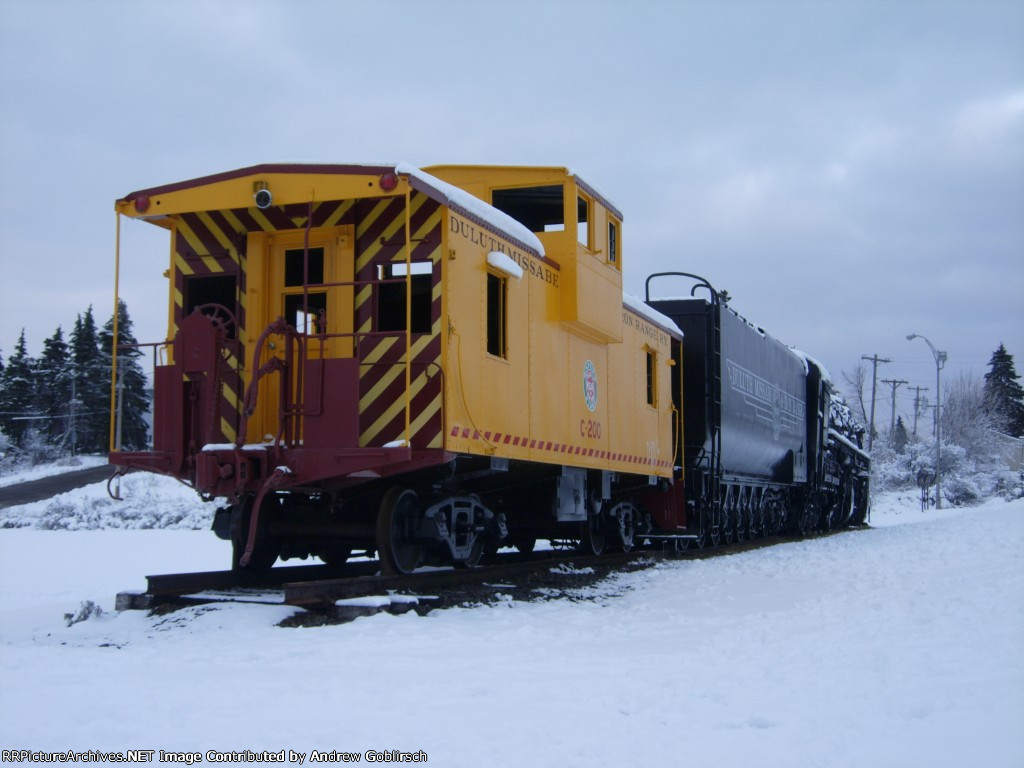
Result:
504,263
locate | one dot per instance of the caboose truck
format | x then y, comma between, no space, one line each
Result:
429,365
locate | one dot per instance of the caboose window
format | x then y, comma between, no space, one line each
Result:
652,377
293,267
308,319
613,243
202,290
497,339
583,221
540,209
391,296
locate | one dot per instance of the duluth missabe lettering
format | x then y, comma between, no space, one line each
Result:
530,264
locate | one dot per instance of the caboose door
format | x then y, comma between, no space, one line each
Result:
309,284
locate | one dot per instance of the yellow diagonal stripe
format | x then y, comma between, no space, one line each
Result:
398,368
181,265
393,410
221,235
339,214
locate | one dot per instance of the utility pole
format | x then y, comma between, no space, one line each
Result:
875,360
895,384
917,404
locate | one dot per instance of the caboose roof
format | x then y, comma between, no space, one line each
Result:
551,171
421,181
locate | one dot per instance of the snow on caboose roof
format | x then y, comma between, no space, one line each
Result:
652,315
463,202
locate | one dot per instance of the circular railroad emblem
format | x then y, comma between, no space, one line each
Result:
590,385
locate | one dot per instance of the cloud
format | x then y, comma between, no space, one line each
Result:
990,120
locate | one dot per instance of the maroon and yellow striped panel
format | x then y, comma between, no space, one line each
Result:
380,239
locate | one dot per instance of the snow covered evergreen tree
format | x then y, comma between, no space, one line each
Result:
53,393
134,402
17,387
900,438
90,411
1003,394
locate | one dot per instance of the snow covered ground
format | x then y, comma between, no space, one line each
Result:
25,474
897,646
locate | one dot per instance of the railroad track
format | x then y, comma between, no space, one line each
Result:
339,593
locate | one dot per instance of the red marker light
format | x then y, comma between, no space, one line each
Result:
142,203
388,181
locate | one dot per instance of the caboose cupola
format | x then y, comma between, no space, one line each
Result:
581,231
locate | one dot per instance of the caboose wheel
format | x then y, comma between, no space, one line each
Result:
623,519
592,535
525,545
476,554
396,548
335,554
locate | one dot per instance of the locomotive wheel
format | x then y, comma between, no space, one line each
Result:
264,554
701,519
592,536
702,538
757,523
808,518
396,549
715,528
728,525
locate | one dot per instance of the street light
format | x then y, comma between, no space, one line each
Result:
940,360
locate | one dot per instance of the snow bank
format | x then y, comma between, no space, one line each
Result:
150,501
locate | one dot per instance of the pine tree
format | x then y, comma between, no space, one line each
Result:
1003,394
900,438
53,395
132,379
16,392
90,414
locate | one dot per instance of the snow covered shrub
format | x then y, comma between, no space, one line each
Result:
36,450
890,471
86,611
959,490
150,501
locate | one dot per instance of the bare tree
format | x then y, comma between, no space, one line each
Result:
855,384
967,420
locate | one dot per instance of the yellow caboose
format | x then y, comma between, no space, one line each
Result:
425,363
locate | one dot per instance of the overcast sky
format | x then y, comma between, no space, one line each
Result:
850,172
